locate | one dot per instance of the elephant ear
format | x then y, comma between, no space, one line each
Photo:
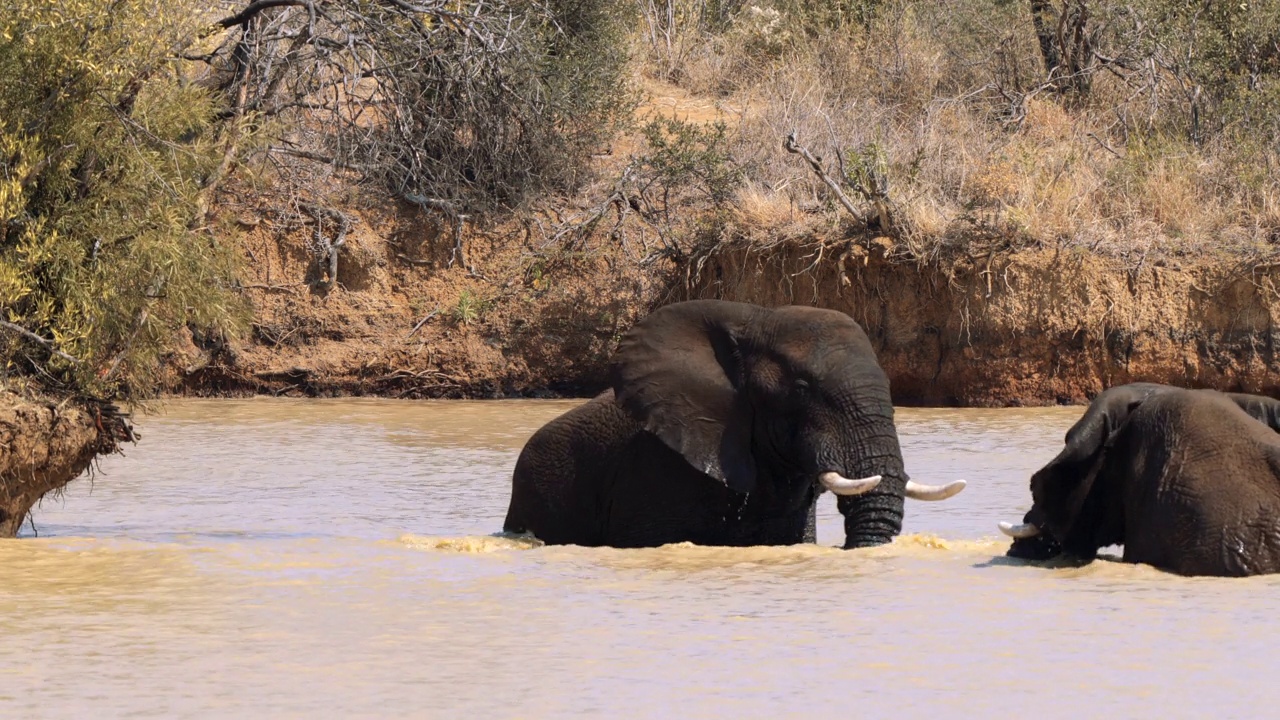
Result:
1263,409
1066,488
1093,432
679,372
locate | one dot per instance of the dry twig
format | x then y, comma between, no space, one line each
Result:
791,146
46,344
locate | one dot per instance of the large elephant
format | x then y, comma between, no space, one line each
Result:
1186,480
724,424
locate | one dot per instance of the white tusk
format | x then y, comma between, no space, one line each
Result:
1019,532
919,491
841,485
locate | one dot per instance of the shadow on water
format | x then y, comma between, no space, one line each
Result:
1053,564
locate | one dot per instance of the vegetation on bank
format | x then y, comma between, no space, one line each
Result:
1131,129
107,152
121,122
1143,131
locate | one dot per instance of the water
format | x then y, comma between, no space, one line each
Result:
272,558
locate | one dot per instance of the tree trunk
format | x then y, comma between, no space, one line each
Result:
1045,18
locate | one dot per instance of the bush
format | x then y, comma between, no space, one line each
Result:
1226,59
467,112
684,155
1130,129
105,151
816,17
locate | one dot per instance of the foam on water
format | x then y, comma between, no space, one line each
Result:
470,543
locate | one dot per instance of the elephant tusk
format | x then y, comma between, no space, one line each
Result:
841,485
920,491
1019,532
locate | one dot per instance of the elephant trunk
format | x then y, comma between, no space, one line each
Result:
875,517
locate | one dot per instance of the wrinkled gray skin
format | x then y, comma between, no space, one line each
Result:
721,417
1186,480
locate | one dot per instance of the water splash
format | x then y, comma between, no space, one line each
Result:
471,544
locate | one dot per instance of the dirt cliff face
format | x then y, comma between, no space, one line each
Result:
45,445
519,312
527,311
1029,327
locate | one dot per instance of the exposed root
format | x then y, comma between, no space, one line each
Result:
44,446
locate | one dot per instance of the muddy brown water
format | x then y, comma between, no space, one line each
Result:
271,558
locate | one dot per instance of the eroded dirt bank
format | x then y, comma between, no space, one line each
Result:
519,312
44,445
524,316
1029,327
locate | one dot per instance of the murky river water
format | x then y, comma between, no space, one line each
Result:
326,559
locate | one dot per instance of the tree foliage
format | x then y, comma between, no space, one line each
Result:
467,108
105,152
1202,68
1225,58
118,120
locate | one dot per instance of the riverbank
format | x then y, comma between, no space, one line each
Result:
1008,304
1030,326
46,444
521,312
1008,236
417,313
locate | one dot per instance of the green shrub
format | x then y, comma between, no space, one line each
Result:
684,155
1228,57
470,308
104,149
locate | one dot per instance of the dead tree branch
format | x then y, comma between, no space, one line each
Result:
792,147
325,248
457,220
46,344
422,322
254,9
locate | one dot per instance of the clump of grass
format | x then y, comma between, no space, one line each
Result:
470,308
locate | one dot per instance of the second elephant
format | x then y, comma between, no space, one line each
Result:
1185,480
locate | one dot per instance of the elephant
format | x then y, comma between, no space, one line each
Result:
723,424
1187,481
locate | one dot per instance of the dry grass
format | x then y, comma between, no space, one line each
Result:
764,215
948,100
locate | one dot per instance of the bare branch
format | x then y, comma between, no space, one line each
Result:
46,344
325,159
325,248
417,96
422,322
257,7
790,146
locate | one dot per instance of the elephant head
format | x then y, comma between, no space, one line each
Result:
1076,508
1069,504
1029,543
778,404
